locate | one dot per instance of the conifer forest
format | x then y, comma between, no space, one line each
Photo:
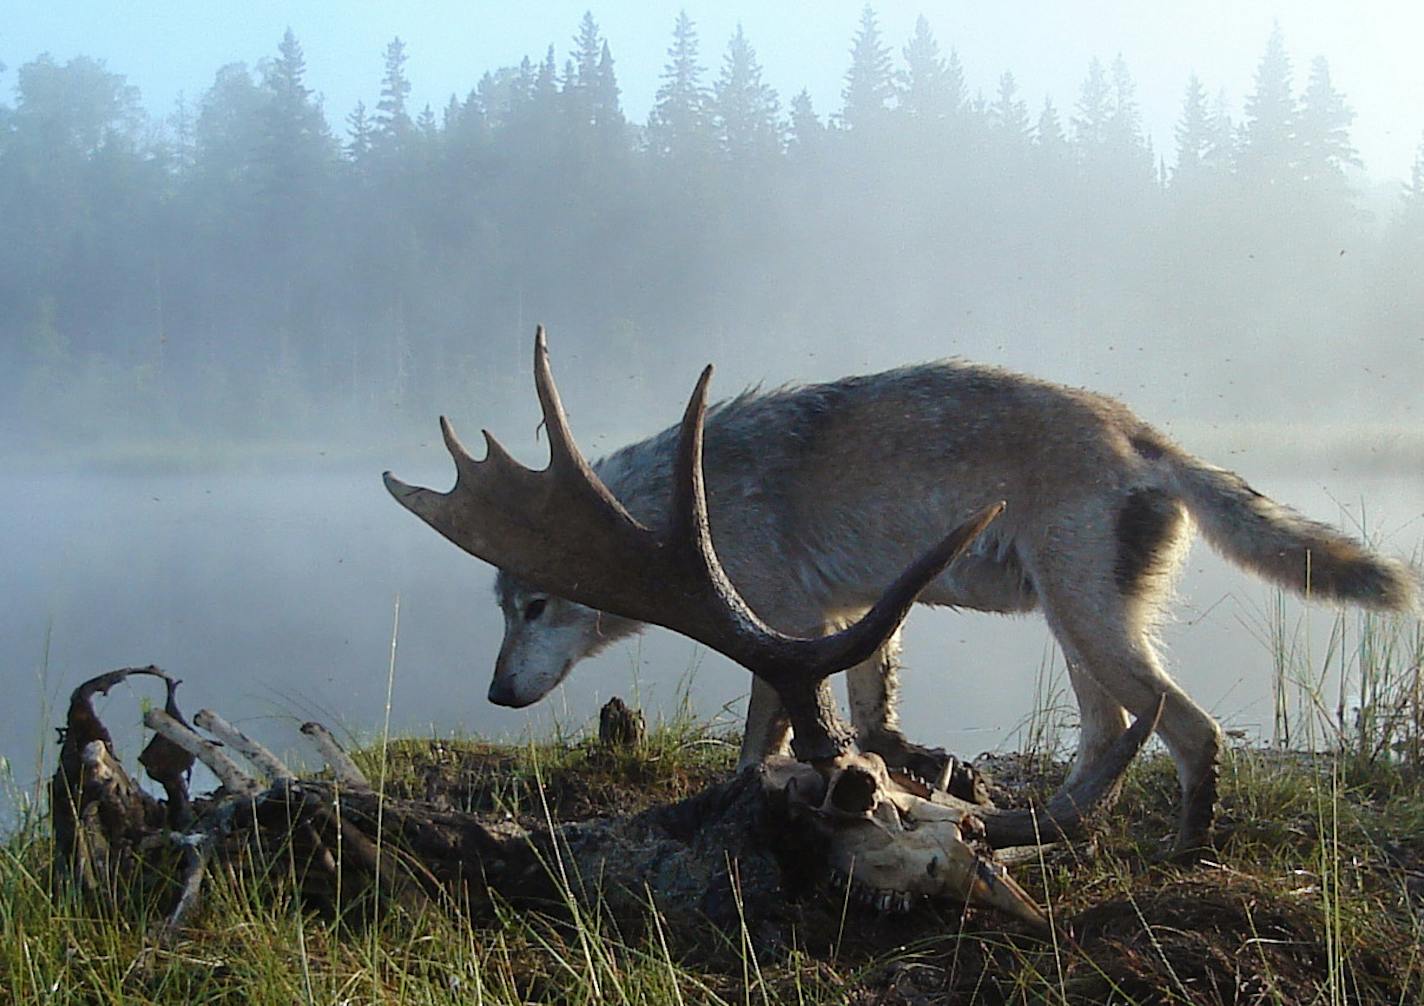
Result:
253,260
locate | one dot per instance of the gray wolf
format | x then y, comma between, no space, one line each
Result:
820,494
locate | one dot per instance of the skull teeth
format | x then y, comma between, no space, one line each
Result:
945,774
875,898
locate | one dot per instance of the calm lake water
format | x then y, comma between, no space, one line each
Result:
273,595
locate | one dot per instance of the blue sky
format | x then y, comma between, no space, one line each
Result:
168,47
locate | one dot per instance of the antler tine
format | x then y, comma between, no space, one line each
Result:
464,461
859,641
566,461
688,520
688,529
563,451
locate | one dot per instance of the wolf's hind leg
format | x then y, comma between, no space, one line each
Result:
1114,653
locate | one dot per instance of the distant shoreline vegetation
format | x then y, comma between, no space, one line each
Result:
247,268
1361,449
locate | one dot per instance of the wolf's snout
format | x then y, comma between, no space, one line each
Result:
502,694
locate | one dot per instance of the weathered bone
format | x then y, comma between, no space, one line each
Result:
260,758
210,754
895,846
890,839
340,763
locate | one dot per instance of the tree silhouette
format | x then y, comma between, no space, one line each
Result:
1123,137
806,132
392,121
1094,110
238,262
360,134
869,83
1268,150
1048,135
746,113
679,125
1323,133
1008,115
930,88
296,145
1194,135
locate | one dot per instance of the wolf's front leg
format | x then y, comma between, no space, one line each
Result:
768,731
873,689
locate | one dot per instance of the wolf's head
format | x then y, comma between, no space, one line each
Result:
544,636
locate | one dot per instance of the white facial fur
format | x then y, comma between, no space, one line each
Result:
544,636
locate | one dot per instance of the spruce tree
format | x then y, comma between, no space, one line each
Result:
360,135
1123,136
1224,144
746,113
869,83
1412,214
295,142
1048,135
425,124
1323,131
1193,133
588,47
1268,152
583,89
1094,109
1008,115
392,121
678,126
930,88
805,132
607,112
546,81
180,125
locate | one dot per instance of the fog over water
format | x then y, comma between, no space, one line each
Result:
275,606
221,319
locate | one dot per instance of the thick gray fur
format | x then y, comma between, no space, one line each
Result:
819,495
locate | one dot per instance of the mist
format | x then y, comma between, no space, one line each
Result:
220,321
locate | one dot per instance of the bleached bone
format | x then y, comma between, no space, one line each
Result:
261,759
210,754
340,763
194,871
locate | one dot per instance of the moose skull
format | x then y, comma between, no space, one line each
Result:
895,840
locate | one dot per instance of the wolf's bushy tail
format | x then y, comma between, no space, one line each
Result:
1273,540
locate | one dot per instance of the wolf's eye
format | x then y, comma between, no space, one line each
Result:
534,609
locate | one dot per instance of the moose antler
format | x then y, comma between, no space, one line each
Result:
565,532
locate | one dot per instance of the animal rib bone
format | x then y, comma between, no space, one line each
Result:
210,754
336,757
261,759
